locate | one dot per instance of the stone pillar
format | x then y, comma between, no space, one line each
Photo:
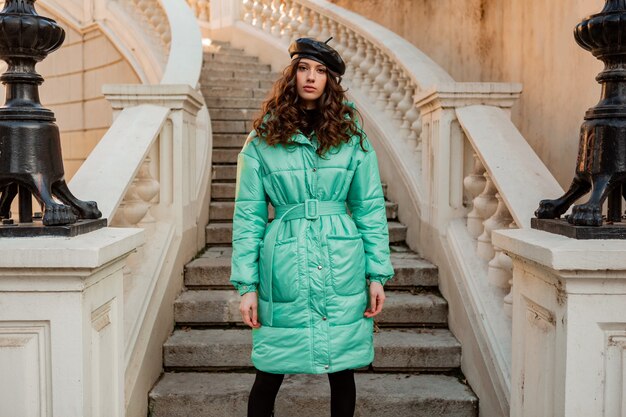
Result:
443,144
569,325
61,324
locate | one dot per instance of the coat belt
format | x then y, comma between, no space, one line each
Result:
311,209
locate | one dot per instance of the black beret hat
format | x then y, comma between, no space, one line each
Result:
318,51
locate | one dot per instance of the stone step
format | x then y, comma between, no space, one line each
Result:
208,76
234,114
224,172
233,103
243,92
232,82
209,66
397,232
212,270
224,394
223,210
223,48
231,58
395,350
225,190
232,126
225,156
229,140
402,308
221,233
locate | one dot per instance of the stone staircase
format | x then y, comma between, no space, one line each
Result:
206,360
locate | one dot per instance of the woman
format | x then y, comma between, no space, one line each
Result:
303,277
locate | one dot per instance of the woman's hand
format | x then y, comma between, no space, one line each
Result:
248,309
377,299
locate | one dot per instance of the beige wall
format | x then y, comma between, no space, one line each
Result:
527,41
74,75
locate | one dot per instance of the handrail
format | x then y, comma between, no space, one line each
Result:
519,168
184,63
107,173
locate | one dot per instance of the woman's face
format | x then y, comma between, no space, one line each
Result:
310,81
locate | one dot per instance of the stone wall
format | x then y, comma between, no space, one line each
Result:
74,75
527,41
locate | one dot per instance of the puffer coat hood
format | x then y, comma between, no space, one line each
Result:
318,255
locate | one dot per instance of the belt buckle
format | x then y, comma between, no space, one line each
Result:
310,208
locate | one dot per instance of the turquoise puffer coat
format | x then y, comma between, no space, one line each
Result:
319,256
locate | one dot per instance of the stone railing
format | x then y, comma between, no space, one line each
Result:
154,22
462,169
201,9
151,170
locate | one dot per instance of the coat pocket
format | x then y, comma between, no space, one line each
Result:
347,263
285,271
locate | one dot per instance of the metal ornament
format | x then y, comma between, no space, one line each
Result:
30,149
601,163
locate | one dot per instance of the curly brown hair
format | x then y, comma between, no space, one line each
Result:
281,112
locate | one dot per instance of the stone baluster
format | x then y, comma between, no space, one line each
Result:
507,304
403,108
357,60
137,201
366,65
474,184
285,21
275,28
163,29
410,117
374,72
391,88
248,12
349,53
303,28
266,16
314,31
382,79
147,188
294,15
204,10
337,32
257,14
397,97
500,267
324,33
498,220
416,129
486,204
421,142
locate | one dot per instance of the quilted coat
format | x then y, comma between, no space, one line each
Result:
310,265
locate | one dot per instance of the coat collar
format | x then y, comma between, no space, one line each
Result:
299,137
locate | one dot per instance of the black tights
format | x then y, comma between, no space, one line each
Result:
266,385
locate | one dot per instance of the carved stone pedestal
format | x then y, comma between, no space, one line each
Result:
569,325
61,324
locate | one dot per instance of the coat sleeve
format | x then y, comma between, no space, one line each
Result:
249,221
367,205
